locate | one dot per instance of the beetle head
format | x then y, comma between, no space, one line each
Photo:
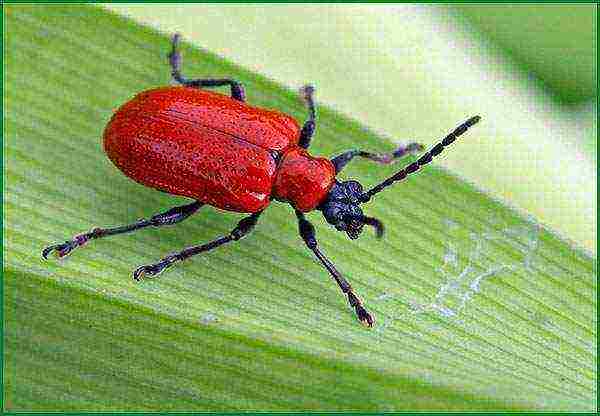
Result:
341,209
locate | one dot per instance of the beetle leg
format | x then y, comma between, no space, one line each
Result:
307,232
244,227
172,216
309,125
384,158
237,89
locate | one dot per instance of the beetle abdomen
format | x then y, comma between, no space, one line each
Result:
182,157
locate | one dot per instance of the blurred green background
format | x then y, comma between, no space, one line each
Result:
478,306
529,70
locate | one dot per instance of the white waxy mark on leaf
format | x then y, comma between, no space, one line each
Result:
459,288
384,296
451,225
465,272
451,256
208,318
447,312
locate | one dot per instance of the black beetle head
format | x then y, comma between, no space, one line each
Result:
341,209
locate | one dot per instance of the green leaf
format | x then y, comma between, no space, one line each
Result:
477,307
538,37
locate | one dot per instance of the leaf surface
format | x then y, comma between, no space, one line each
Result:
477,307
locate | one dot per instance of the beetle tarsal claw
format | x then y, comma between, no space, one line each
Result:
364,317
174,55
149,270
138,274
142,271
306,92
61,250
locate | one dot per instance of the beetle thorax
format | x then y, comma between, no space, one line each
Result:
303,180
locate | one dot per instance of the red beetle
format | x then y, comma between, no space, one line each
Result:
220,151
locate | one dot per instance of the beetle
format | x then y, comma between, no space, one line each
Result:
219,151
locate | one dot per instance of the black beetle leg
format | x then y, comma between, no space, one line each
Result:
308,129
307,232
172,216
244,227
237,89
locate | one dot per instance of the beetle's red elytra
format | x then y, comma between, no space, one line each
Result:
223,152
220,151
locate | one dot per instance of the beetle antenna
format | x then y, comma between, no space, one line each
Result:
422,161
